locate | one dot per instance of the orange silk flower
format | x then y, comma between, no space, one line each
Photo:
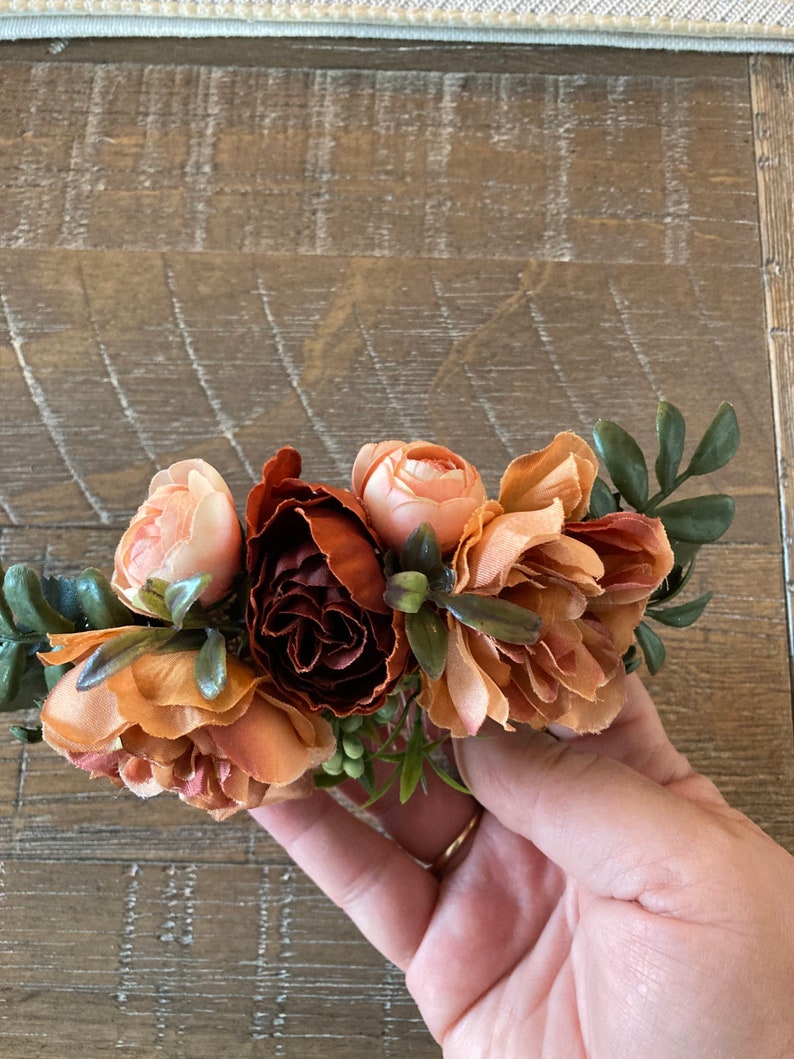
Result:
588,581
148,728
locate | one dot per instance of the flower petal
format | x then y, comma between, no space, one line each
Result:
273,742
81,721
159,693
565,470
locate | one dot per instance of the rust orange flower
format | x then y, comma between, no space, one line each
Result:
588,581
316,617
149,729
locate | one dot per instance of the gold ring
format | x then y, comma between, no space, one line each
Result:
443,859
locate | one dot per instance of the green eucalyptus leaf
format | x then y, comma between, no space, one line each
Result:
13,659
719,444
184,640
675,582
379,793
602,500
120,652
632,659
652,647
681,616
495,617
671,432
100,604
406,591
450,781
32,689
444,581
422,551
624,460
427,636
699,520
26,733
180,596
26,598
61,594
151,599
413,762
390,565
684,553
209,669
7,625
367,778
52,674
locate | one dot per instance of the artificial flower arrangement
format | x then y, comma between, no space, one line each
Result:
345,627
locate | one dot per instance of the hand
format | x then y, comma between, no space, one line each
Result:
610,904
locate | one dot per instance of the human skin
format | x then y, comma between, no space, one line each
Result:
610,904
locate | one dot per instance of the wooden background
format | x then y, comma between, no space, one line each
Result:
212,248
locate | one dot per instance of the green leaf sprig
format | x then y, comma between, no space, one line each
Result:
187,625
30,609
689,523
424,586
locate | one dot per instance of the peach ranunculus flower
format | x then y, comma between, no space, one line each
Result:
187,525
149,729
588,581
404,484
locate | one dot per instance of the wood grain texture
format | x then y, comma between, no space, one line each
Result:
773,96
211,250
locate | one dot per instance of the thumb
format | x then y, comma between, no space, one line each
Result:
610,828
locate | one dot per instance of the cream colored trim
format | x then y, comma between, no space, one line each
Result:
404,15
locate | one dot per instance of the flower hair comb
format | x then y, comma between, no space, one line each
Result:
349,633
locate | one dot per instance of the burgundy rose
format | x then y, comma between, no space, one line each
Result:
316,617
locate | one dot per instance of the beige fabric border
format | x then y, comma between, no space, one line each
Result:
772,21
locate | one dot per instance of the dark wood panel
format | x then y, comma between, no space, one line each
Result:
192,961
140,359
631,167
357,53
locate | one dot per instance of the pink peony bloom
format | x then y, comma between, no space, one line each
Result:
404,484
186,526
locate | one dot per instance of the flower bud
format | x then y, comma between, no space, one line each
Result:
186,526
404,484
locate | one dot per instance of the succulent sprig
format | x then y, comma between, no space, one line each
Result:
397,738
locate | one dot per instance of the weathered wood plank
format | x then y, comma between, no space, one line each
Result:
360,54
192,961
388,163
141,359
772,84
